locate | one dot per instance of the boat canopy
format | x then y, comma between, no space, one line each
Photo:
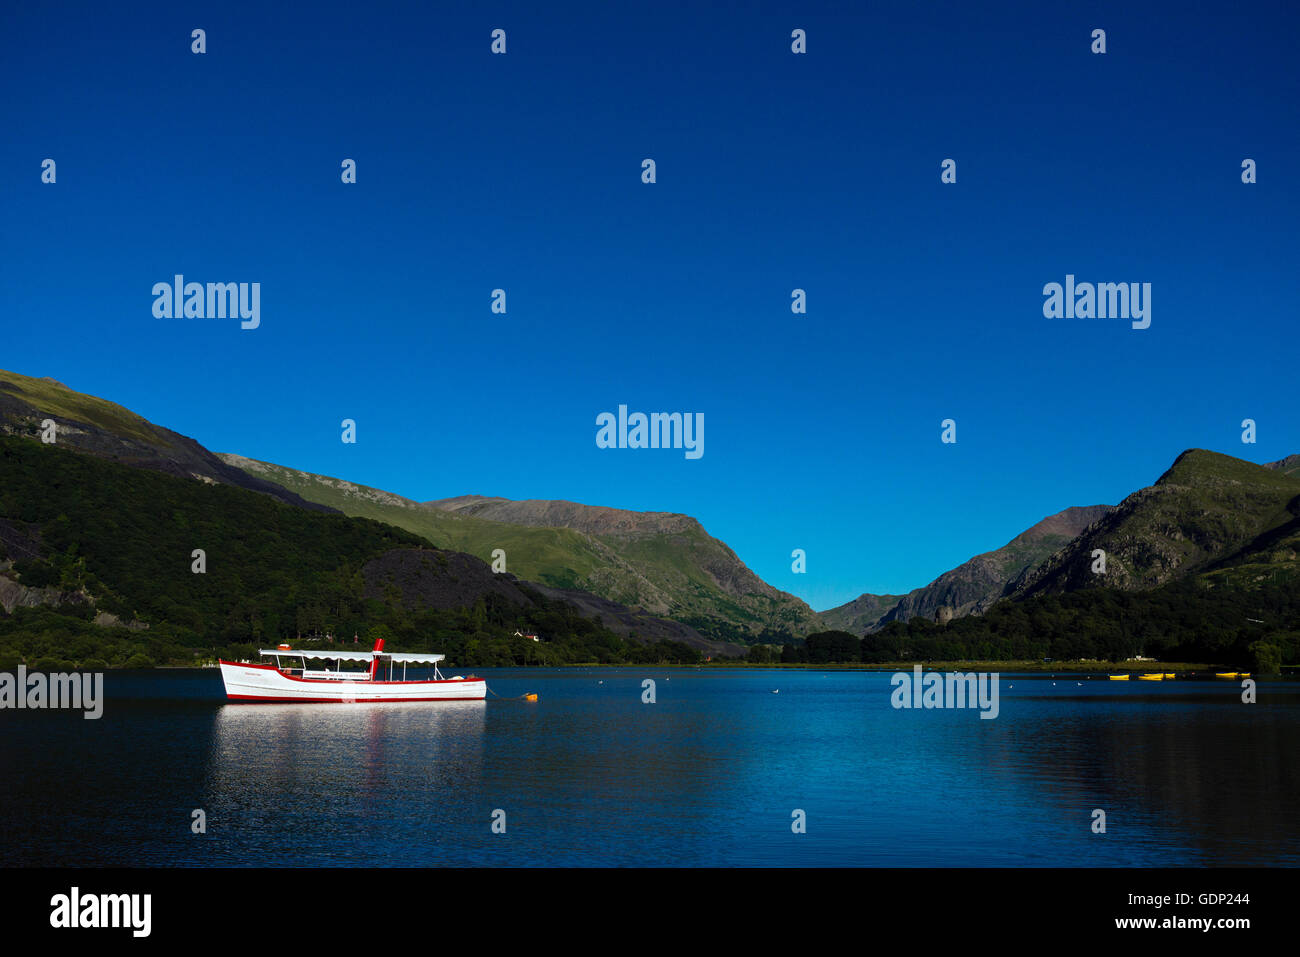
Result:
330,655
400,658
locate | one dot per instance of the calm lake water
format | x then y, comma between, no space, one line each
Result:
707,775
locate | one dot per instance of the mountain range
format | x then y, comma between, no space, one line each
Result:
660,575
660,562
975,584
1209,514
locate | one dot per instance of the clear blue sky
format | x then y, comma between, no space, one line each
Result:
775,171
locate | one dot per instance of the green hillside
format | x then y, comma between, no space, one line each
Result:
668,566
54,399
1204,565
97,427
96,565
678,572
554,556
1206,509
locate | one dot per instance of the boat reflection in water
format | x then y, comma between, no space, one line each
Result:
355,764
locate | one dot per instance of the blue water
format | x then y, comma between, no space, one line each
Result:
710,774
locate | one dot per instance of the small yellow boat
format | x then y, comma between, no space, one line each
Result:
1119,677
1157,676
1168,676
1225,674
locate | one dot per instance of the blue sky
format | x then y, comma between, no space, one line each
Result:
775,171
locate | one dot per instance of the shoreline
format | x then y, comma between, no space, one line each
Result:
1180,668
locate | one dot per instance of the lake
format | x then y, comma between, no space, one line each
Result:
711,773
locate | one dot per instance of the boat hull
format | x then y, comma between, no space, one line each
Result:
266,683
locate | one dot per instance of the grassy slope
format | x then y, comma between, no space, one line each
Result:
554,556
119,539
660,574
58,401
1205,509
1228,510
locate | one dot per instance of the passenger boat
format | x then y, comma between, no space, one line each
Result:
285,682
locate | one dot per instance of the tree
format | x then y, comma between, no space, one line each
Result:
825,647
1265,659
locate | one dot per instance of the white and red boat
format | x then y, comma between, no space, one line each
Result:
294,681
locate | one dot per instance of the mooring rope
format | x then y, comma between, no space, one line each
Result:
527,696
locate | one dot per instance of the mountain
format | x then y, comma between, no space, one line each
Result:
697,575
975,584
862,614
1203,565
448,580
56,553
662,563
1208,512
596,573
1288,466
97,562
101,428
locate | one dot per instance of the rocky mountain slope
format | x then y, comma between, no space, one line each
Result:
1206,509
975,584
862,614
1288,466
